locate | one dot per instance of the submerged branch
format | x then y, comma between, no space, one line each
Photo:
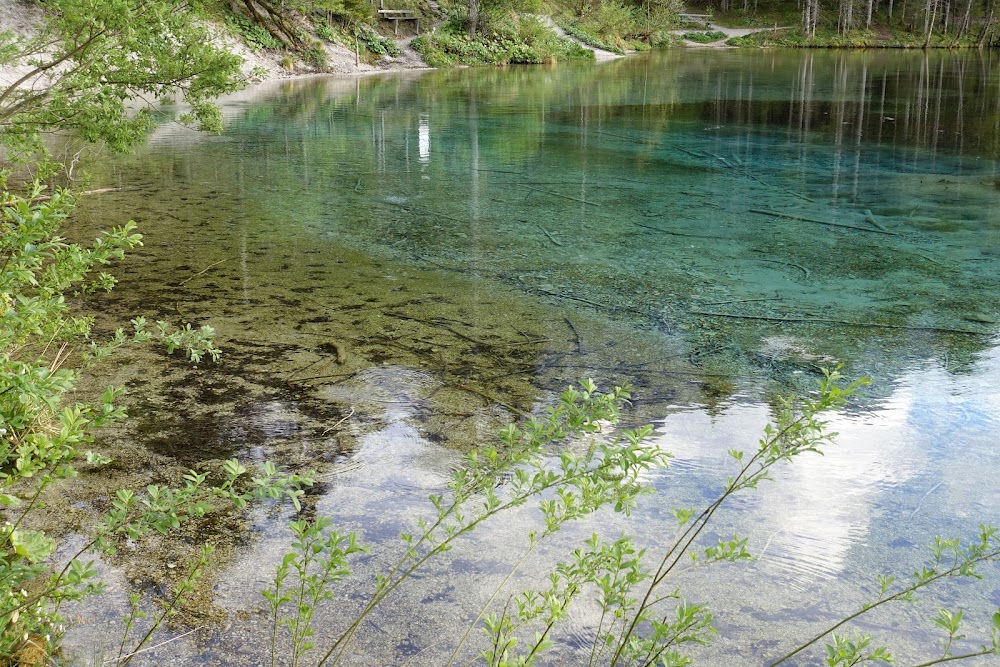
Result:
821,320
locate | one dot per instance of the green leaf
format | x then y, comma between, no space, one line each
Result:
32,545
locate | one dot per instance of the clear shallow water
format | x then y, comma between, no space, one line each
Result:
712,227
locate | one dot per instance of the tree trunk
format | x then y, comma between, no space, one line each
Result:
473,18
274,22
963,27
930,14
810,17
846,15
987,24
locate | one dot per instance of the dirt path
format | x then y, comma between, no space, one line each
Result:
714,27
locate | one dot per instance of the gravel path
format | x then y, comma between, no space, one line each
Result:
714,27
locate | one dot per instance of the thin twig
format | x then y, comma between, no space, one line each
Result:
573,298
556,194
870,217
150,648
773,535
549,234
85,193
576,335
349,415
723,303
819,320
672,233
789,216
490,399
205,270
797,266
924,497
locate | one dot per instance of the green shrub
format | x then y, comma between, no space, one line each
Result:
330,34
745,42
505,39
376,43
704,37
316,56
255,36
612,18
432,54
576,30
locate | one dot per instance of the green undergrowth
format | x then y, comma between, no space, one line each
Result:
506,40
693,25
704,37
253,35
620,26
575,29
377,44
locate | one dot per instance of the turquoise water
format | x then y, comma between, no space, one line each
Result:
395,263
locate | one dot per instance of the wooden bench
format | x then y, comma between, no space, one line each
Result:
397,15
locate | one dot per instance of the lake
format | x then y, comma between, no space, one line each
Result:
399,265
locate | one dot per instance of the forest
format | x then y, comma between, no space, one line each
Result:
510,31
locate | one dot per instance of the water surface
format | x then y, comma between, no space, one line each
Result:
397,266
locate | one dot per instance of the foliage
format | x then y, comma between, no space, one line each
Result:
508,39
704,37
574,29
622,25
318,559
331,34
376,43
89,59
83,68
283,24
45,435
346,11
496,479
854,24
612,17
831,38
687,24
257,37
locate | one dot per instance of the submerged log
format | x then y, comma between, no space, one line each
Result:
800,218
846,323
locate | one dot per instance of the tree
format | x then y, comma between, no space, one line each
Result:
273,17
89,59
84,69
